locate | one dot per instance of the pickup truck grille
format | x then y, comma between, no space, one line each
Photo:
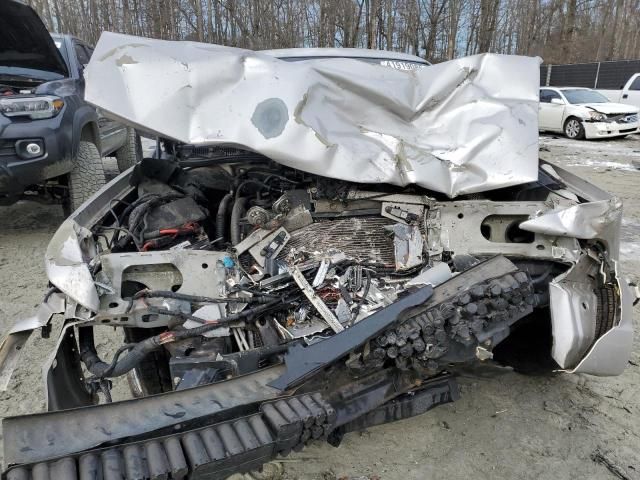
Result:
7,148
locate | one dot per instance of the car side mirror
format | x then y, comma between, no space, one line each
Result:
557,101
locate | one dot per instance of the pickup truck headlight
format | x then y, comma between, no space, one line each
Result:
597,116
32,107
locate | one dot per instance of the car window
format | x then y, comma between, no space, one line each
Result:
547,95
89,51
580,95
81,53
636,84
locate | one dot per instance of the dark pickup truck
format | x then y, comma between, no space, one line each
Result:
51,141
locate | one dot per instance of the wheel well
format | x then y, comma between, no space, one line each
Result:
570,118
89,133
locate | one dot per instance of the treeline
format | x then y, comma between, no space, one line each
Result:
560,31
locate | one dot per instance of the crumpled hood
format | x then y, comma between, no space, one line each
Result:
610,108
463,126
25,41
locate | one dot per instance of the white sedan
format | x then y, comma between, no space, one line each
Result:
584,113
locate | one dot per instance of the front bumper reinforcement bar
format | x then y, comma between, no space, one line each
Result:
237,445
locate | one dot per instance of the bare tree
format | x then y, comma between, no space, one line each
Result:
558,30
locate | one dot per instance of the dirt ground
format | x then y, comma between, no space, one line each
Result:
505,425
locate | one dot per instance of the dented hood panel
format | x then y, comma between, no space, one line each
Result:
463,126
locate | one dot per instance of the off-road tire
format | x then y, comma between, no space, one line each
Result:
86,178
131,152
573,129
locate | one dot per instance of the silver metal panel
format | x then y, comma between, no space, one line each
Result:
573,305
447,127
609,355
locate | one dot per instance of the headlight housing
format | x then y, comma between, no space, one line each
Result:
597,116
45,106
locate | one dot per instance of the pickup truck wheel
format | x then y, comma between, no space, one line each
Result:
131,152
86,178
573,129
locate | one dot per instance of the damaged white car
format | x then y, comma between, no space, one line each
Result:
585,113
323,243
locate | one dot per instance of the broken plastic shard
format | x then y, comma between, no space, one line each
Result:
343,313
435,275
209,312
309,327
321,273
483,354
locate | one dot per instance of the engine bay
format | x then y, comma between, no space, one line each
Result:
258,308
218,260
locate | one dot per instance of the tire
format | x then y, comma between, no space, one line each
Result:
573,129
86,178
606,310
131,152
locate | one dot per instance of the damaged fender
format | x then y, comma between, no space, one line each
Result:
12,343
66,267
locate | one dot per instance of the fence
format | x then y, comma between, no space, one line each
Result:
607,75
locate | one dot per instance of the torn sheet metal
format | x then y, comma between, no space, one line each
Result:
600,359
573,305
585,221
407,244
317,302
463,126
66,267
11,346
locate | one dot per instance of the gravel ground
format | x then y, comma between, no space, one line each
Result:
506,425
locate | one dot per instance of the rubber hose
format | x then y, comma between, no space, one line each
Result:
236,214
221,215
89,355
200,299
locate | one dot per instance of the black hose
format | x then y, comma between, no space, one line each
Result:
48,294
197,331
251,182
89,355
222,215
236,214
138,351
118,367
200,299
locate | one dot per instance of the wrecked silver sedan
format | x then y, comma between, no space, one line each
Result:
318,246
